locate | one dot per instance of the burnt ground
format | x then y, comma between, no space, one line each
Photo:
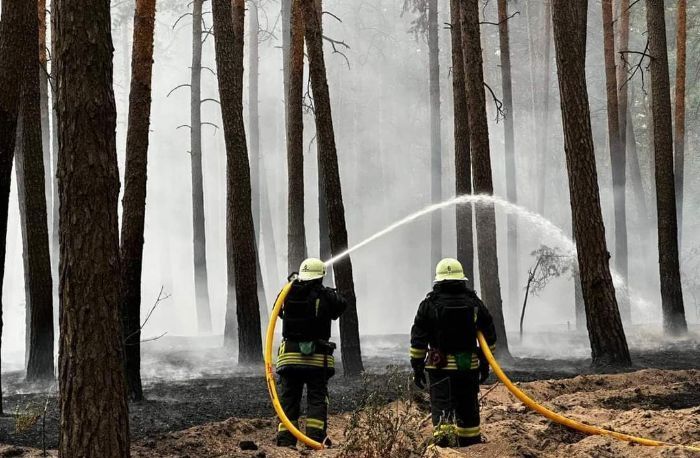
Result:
186,387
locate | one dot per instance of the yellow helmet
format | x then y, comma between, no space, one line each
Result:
449,269
311,269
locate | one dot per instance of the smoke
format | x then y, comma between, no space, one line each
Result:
381,119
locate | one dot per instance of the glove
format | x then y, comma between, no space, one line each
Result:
419,379
483,372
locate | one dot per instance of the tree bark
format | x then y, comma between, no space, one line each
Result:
679,118
201,277
481,169
543,106
94,414
617,154
671,292
32,199
463,166
134,200
330,177
44,88
12,45
296,238
435,134
240,233
606,335
509,137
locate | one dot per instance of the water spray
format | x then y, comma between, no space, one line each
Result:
509,207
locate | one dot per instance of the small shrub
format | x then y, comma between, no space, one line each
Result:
388,422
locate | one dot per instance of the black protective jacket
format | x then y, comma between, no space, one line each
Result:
306,316
446,325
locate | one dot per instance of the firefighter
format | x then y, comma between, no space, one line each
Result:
444,343
305,356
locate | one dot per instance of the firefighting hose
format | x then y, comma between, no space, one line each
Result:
524,398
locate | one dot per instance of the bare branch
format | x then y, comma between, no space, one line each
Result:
206,123
184,125
332,15
160,299
335,44
178,87
210,100
500,114
502,21
154,338
637,68
180,18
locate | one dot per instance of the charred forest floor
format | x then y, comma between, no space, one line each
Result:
187,407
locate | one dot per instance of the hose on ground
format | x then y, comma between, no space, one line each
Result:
562,420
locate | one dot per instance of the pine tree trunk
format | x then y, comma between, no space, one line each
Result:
201,283
671,292
54,163
134,200
627,136
240,232
538,176
435,135
12,44
254,133
481,169
32,198
617,154
92,389
679,115
606,335
463,166
44,88
330,177
543,107
296,238
509,137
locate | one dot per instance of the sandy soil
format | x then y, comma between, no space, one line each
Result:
658,404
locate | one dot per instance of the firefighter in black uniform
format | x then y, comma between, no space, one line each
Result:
444,342
306,355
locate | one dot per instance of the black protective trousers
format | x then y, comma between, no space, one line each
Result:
454,404
291,389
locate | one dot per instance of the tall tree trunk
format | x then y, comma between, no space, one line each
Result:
134,200
253,116
481,169
463,161
435,135
32,198
240,233
671,292
12,45
543,106
254,134
679,118
54,163
627,137
324,242
607,337
92,387
201,282
296,238
509,137
617,154
538,175
44,88
330,177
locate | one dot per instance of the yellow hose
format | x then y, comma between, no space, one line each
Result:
524,398
270,376
555,417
